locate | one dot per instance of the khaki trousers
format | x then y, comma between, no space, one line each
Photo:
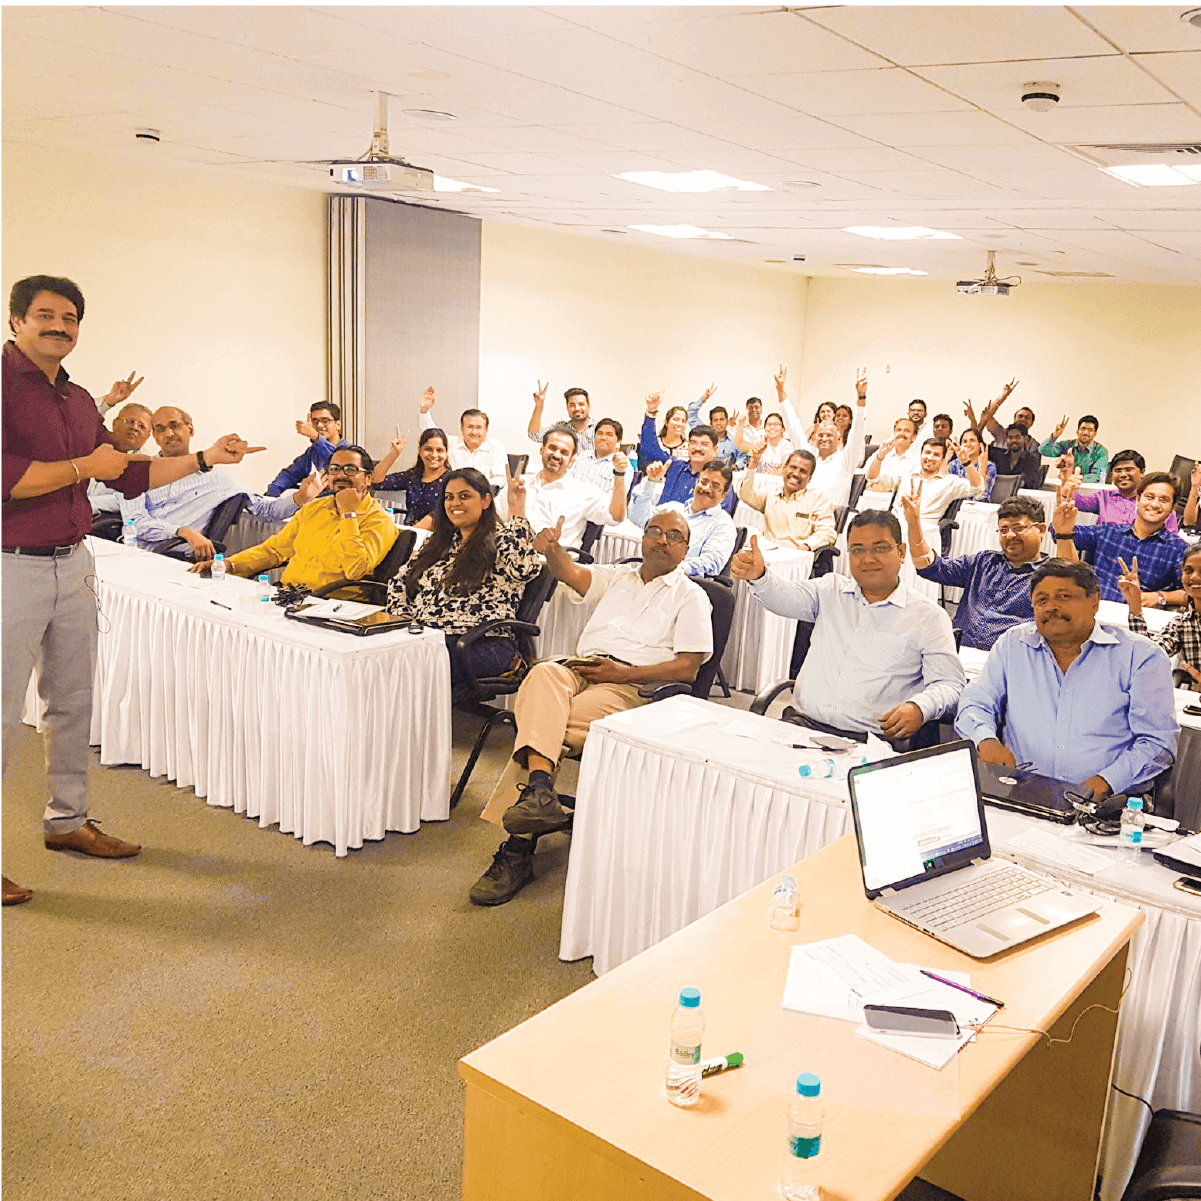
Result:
554,708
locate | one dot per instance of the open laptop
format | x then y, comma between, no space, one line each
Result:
924,853
1027,792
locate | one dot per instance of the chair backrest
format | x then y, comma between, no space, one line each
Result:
537,593
947,524
869,450
518,463
842,514
858,483
398,555
1182,470
1042,474
800,647
721,601
224,515
108,526
723,576
1003,487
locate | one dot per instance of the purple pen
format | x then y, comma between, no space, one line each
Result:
971,992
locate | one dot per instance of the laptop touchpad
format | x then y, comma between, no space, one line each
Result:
1007,926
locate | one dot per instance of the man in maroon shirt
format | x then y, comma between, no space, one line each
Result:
54,443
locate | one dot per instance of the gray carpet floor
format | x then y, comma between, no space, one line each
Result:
235,1015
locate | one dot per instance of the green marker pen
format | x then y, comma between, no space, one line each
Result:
711,1067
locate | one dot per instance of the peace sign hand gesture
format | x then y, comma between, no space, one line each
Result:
861,383
122,390
911,503
540,392
780,377
515,492
652,402
1063,425
1129,586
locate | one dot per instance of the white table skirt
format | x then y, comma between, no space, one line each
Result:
662,838
335,738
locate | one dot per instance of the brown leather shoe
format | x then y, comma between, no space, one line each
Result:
14,894
90,840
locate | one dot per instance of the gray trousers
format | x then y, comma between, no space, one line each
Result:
50,622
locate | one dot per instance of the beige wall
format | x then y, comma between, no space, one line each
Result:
621,322
1130,355
213,290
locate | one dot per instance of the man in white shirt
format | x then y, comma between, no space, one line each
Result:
131,428
882,658
474,448
651,625
596,466
183,508
896,458
836,460
931,487
552,494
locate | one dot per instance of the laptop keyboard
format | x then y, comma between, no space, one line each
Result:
956,906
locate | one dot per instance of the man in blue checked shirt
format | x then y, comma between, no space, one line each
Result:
1072,698
996,583
1159,553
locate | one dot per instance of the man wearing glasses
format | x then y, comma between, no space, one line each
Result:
337,537
996,583
651,625
882,658
323,429
184,507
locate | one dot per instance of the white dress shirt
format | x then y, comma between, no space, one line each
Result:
490,456
642,623
865,659
833,475
895,467
573,500
937,494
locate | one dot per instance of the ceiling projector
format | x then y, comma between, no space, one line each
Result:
391,174
989,285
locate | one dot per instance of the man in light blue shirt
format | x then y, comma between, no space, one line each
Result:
882,657
183,508
711,528
1072,698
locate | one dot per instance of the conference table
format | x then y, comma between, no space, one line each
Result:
684,805
570,1103
332,737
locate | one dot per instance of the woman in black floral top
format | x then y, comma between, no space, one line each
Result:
422,483
473,568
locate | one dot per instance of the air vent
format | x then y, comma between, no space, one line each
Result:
1128,154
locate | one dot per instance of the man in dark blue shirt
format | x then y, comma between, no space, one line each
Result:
996,583
679,478
323,428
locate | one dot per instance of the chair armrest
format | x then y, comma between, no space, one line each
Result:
472,636
377,591
580,556
823,560
660,692
173,546
763,701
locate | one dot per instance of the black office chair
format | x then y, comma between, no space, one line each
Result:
108,526
215,530
518,463
1042,474
583,554
1003,487
1182,471
869,450
488,688
842,514
947,524
1169,1164
858,483
374,585
723,576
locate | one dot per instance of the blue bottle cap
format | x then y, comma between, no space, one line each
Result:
690,998
1134,802
808,1085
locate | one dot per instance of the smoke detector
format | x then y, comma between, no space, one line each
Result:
1041,97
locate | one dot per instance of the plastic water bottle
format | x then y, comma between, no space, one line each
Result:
785,911
684,1058
263,591
129,533
798,1179
218,569
823,769
1133,821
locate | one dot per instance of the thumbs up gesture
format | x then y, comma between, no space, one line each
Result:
547,540
748,563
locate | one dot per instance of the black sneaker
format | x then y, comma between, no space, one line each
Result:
512,869
538,811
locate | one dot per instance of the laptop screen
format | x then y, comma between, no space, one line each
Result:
917,815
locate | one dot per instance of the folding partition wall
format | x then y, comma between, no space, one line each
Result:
404,313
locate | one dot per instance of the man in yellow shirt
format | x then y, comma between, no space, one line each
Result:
337,537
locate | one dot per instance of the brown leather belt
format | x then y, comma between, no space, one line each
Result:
44,552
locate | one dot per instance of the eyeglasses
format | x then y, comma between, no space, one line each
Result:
1004,531
876,549
174,427
343,469
321,421
655,534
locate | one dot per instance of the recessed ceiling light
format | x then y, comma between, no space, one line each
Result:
1154,175
428,114
680,231
453,185
690,181
799,185
887,271
1026,263
775,260
430,74
898,233
1192,17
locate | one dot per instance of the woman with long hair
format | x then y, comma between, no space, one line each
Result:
671,440
472,568
422,483
774,452
971,449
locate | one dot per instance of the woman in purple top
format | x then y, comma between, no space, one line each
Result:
422,483
1126,470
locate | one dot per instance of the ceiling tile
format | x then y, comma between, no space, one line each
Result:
614,162
1116,123
1138,28
658,137
1031,156
933,184
540,140
686,100
1180,72
934,129
1169,219
399,68
868,157
1079,183
845,93
442,25
58,58
1105,80
540,105
958,34
748,43
791,133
